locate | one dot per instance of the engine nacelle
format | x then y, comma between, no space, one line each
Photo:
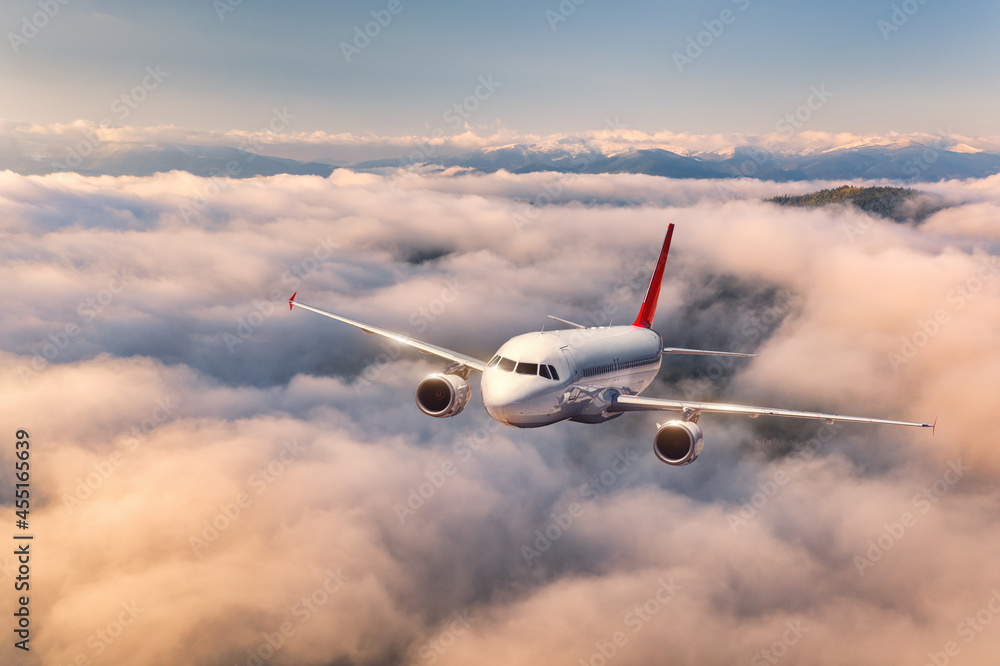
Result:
678,442
441,395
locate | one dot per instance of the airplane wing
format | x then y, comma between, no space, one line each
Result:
634,403
468,361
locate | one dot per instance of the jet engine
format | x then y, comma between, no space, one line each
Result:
678,442
440,395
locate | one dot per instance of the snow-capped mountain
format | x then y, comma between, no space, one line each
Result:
912,158
898,159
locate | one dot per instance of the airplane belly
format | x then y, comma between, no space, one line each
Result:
529,415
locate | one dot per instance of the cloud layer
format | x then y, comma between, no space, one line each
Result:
217,480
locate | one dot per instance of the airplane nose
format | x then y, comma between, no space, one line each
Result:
504,396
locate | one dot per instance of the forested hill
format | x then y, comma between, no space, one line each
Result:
896,203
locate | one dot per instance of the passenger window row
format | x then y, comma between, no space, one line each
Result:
522,368
620,365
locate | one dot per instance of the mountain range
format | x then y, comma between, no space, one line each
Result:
902,161
97,158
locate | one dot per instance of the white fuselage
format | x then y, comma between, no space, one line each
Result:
519,388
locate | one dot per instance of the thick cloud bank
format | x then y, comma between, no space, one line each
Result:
217,480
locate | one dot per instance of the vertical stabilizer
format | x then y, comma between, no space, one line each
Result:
645,318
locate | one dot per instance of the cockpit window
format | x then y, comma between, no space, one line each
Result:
523,368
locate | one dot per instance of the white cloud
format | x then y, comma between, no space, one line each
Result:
187,419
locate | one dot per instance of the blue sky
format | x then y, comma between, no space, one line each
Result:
606,60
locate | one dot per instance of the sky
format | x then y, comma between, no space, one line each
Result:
556,67
217,480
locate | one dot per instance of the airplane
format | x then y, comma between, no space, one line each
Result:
584,374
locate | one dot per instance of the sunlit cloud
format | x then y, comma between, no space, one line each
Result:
218,477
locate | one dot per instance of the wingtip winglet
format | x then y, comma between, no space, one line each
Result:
934,427
291,300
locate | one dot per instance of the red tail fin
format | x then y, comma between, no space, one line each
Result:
645,318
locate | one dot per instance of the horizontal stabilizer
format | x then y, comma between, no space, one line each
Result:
704,352
567,322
